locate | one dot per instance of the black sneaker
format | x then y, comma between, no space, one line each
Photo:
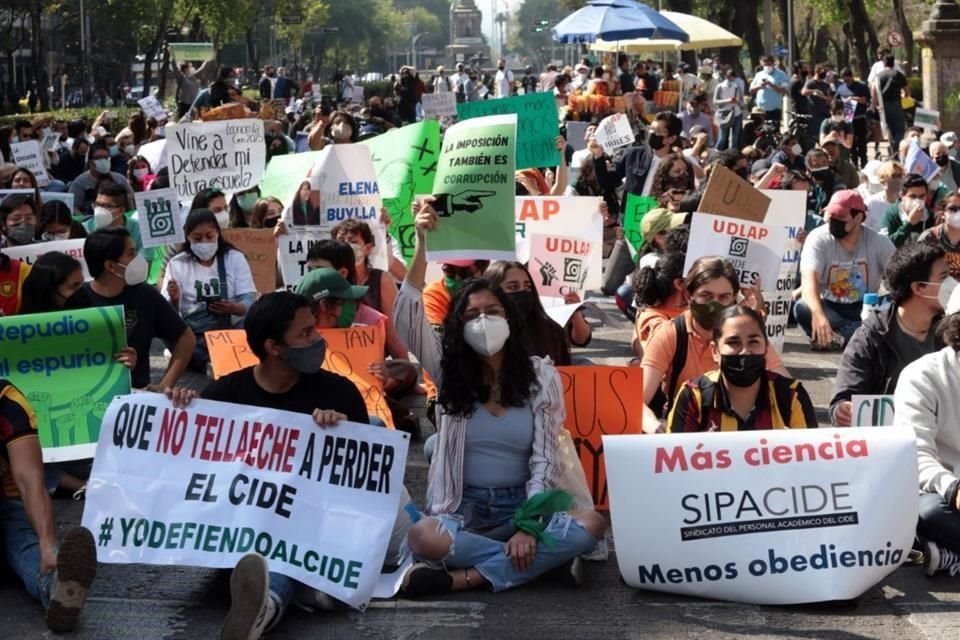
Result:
421,580
76,569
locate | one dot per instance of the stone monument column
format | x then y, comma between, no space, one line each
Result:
466,38
939,38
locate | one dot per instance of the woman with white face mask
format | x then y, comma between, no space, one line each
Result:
209,282
499,452
947,234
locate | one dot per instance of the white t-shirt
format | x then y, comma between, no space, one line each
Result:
193,278
876,206
503,83
877,67
442,84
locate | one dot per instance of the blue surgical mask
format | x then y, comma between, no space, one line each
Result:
114,150
102,165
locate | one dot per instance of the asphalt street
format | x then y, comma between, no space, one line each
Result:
139,602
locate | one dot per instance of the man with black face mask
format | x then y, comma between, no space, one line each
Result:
638,164
841,261
825,180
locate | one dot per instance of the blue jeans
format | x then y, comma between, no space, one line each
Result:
730,135
844,318
491,510
22,549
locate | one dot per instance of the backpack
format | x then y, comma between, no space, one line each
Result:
662,401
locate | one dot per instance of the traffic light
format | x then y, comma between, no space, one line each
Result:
540,26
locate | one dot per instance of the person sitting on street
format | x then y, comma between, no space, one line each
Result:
926,401
840,262
661,296
741,395
946,235
910,217
889,339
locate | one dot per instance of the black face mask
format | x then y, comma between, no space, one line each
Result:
655,141
942,160
523,300
270,223
838,228
79,299
823,174
743,173
742,370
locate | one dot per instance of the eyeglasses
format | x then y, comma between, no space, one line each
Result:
461,273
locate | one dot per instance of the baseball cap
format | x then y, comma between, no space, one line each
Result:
657,221
846,201
328,283
949,138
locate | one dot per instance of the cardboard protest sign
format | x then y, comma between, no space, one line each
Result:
185,487
405,160
192,51
285,173
341,185
45,196
763,517
636,208
537,126
349,353
573,217
160,221
614,132
559,264
872,411
599,402
788,209
155,153
259,246
755,250
152,108
30,252
474,191
228,155
63,362
927,119
728,194
440,104
292,251
28,155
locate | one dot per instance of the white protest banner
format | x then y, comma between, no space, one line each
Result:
919,162
356,95
572,217
228,155
205,485
155,153
45,196
343,185
559,265
927,119
754,249
160,222
28,155
614,132
872,411
292,251
437,105
763,517
788,209
30,252
152,108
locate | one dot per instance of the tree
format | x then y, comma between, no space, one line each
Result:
530,29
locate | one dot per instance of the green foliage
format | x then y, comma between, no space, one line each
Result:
88,113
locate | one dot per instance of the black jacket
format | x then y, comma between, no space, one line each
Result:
870,365
634,165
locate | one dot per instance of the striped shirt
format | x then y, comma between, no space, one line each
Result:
445,479
17,420
782,403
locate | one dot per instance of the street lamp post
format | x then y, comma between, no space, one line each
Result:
413,49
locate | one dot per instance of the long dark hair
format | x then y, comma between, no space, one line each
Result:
544,337
48,272
653,286
462,388
196,218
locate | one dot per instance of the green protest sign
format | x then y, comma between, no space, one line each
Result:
64,363
474,192
405,160
636,208
284,174
537,125
184,51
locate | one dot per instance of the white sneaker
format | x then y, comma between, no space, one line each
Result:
937,559
251,607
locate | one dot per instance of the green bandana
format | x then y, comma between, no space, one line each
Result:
348,311
533,515
452,284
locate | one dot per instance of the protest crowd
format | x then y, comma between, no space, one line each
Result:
355,262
